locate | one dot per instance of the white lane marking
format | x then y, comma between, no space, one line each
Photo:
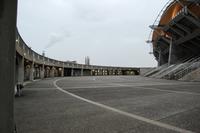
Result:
153,122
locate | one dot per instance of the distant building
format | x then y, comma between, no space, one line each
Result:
43,53
87,60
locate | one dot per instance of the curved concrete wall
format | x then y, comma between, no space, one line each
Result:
31,65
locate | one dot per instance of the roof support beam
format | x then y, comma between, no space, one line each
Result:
188,37
184,28
166,40
179,32
196,22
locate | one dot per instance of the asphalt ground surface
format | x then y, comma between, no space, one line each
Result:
108,104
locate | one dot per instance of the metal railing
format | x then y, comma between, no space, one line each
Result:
193,66
155,70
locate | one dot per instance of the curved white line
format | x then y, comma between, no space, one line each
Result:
146,120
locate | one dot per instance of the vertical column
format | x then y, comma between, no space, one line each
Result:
108,72
91,72
97,71
82,70
63,70
101,71
32,71
111,72
52,72
8,10
20,76
72,72
114,72
119,72
172,53
56,71
42,71
47,72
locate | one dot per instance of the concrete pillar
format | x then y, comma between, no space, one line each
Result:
8,10
52,72
114,72
37,72
81,71
105,72
20,76
172,53
32,71
111,72
118,72
47,72
56,72
101,72
91,72
42,71
72,72
108,72
62,72
97,72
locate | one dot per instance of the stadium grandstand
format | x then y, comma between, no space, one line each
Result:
175,39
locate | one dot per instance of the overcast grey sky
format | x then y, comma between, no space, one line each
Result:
110,32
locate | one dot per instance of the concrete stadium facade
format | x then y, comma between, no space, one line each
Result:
175,39
176,32
31,65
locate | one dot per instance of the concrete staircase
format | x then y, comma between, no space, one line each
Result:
187,70
175,71
155,70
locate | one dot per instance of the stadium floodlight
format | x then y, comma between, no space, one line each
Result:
149,41
153,27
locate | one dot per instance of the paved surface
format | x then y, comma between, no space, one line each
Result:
121,104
